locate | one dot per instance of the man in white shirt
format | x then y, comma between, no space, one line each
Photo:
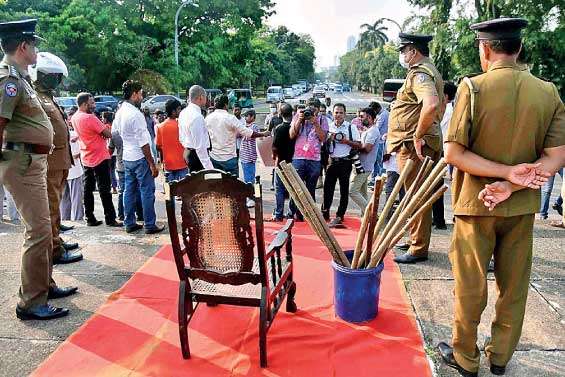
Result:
193,134
140,169
342,139
224,128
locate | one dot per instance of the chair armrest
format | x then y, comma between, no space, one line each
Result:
282,236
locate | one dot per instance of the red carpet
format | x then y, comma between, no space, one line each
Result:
135,333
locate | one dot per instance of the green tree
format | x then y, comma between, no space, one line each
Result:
373,36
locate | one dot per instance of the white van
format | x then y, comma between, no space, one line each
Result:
275,94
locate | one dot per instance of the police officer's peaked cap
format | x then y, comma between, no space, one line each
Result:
413,39
15,29
500,28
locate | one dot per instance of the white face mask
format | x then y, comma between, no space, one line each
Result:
402,62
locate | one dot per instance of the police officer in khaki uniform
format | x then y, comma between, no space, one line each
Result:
414,128
505,122
46,75
26,136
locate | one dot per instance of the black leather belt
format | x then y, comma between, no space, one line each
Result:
340,159
28,148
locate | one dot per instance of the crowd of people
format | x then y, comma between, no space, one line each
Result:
53,163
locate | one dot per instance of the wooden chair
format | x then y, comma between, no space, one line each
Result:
224,265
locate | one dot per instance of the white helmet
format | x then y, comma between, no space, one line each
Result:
47,63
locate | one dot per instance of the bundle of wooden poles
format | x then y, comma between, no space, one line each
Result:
377,235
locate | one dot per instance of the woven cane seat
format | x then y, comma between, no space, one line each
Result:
222,243
243,291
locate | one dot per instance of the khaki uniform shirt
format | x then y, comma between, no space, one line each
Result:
27,122
61,158
423,80
516,116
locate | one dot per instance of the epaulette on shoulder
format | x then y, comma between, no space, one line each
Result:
12,71
459,79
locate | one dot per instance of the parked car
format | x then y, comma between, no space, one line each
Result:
288,93
275,94
297,90
319,91
243,97
154,103
346,87
338,88
106,101
66,102
390,88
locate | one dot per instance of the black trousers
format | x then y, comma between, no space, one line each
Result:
99,175
338,170
438,210
192,160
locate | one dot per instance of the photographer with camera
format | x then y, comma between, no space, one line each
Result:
344,142
309,129
367,155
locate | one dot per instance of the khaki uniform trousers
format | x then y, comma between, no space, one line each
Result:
475,239
25,176
56,181
421,230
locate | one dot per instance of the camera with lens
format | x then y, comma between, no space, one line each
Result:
308,114
339,136
354,157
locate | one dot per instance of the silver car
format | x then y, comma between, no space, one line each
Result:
157,102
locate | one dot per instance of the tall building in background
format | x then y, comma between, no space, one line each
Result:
351,42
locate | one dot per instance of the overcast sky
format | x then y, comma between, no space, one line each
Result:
330,22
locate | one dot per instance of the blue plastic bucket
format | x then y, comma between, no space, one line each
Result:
356,292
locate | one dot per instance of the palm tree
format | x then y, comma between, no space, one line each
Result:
373,36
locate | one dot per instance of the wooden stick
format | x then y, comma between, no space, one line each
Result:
379,185
402,216
408,198
379,256
317,214
422,174
361,235
314,213
298,200
388,205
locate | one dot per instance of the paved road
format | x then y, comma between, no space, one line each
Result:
352,100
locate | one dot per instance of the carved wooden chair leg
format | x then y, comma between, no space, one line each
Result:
184,296
290,303
263,318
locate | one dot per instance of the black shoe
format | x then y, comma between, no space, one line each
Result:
157,229
94,223
133,228
558,208
65,228
326,215
491,265
336,223
58,292
299,219
440,226
67,257
402,247
494,369
115,224
408,258
70,246
446,353
497,370
140,219
42,312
